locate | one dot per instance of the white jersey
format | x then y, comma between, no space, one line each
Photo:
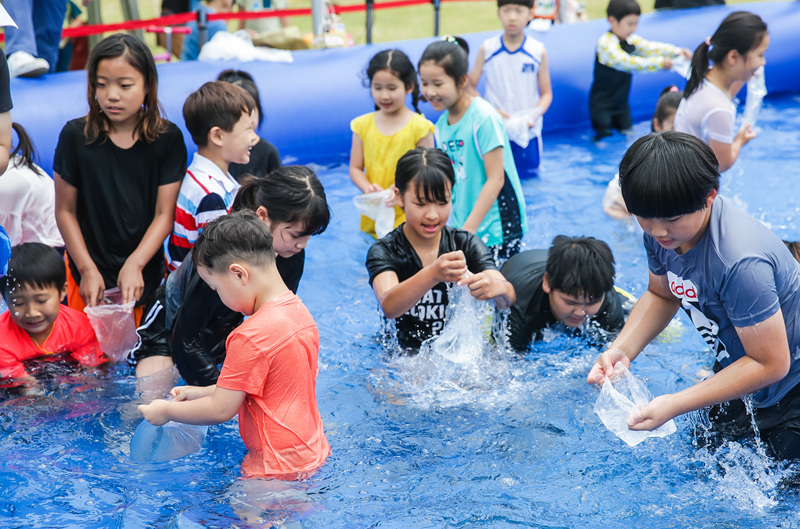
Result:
512,78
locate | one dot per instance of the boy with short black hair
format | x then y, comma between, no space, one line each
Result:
36,323
571,283
270,370
517,82
218,116
733,277
618,54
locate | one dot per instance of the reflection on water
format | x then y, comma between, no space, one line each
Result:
484,439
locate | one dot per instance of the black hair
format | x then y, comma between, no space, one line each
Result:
451,53
238,237
25,150
430,170
36,265
740,31
524,3
580,266
619,9
290,194
667,104
398,64
244,80
667,174
215,104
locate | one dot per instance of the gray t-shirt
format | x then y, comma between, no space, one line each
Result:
738,275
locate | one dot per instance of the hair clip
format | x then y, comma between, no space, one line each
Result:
673,88
449,38
708,41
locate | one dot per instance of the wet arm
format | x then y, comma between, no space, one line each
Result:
357,174
217,408
5,140
495,177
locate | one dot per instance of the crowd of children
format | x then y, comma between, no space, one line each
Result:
231,231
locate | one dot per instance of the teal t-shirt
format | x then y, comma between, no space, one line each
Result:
479,131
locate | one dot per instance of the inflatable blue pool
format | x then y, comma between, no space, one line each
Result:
309,103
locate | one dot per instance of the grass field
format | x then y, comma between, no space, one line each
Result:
391,24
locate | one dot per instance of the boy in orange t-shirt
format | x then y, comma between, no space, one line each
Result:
36,323
270,370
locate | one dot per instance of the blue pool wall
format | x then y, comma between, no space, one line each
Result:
308,104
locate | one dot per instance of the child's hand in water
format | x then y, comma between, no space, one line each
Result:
156,412
605,365
449,267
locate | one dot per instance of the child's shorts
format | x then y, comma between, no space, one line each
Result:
604,121
527,159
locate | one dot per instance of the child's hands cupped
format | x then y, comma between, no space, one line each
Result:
605,365
650,417
450,267
130,282
156,412
92,288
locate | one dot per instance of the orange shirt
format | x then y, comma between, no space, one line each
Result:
71,333
272,357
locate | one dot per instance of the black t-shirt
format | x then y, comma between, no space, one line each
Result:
610,87
5,87
264,159
203,322
117,193
531,312
394,253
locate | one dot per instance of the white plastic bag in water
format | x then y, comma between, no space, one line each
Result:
464,337
373,206
114,325
756,90
154,444
619,398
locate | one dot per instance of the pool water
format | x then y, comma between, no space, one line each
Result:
425,442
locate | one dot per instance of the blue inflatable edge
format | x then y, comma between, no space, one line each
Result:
309,103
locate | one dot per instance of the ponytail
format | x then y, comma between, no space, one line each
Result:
25,150
740,31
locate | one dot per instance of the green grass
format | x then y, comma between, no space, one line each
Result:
390,24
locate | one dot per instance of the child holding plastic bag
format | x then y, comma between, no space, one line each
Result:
409,268
733,277
380,138
36,324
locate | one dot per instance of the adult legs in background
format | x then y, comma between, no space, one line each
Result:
32,47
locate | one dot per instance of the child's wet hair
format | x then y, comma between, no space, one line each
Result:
398,64
451,54
667,174
580,266
430,171
215,104
741,31
240,237
244,80
619,9
291,194
666,106
137,54
33,264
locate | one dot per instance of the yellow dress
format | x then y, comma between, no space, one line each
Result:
381,154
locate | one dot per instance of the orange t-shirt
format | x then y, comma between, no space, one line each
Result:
71,333
272,357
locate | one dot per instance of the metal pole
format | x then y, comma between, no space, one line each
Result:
318,17
202,28
370,6
95,17
436,5
130,10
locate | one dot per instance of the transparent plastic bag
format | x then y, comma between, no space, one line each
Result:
621,395
373,206
114,325
155,444
682,66
756,90
464,337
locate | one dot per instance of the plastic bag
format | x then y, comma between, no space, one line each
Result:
620,397
464,337
114,325
154,444
756,90
682,66
373,206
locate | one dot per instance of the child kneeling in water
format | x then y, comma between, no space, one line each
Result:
409,267
736,281
270,370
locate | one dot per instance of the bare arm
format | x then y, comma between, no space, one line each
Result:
728,153
651,314
397,298
477,70
545,86
92,285
5,140
130,280
217,408
427,141
357,174
495,177
767,362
